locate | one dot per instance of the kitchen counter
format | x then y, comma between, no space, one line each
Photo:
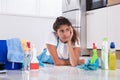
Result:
51,72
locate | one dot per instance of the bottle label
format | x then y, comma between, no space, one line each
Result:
112,61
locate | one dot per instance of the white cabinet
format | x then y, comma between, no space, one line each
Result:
114,25
68,5
3,6
0,5
43,8
96,26
52,8
104,22
25,7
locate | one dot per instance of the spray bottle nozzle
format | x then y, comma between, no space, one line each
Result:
28,44
94,46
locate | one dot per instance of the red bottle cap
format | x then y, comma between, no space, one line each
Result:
94,46
28,45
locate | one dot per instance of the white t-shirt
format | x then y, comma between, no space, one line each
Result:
62,48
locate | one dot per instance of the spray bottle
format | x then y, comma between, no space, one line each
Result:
95,55
104,54
27,57
34,65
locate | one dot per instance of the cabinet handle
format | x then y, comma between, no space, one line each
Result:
91,13
68,1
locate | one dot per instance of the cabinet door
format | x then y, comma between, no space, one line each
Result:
3,6
64,5
0,6
50,8
25,7
114,25
96,27
68,5
74,17
74,4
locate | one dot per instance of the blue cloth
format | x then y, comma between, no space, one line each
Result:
43,57
89,66
41,64
15,50
3,51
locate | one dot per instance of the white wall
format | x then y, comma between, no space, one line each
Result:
28,19
35,29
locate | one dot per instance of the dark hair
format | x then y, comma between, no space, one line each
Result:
64,21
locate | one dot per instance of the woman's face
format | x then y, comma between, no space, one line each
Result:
64,33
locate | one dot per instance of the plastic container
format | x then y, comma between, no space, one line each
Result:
34,65
27,57
112,57
104,54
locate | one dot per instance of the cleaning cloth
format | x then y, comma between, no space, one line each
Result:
93,63
15,51
89,65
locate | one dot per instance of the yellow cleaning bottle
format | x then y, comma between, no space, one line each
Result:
112,57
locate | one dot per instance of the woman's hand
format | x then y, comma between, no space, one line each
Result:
71,33
81,61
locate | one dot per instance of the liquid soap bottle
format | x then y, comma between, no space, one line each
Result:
112,57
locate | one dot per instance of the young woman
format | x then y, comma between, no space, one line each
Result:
63,44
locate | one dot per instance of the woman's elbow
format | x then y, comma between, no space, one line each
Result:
57,64
73,64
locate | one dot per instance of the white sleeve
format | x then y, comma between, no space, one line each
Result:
52,39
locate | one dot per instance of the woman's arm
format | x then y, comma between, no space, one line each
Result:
53,52
77,53
74,52
74,55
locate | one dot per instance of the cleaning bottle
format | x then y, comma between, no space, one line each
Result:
104,54
34,65
112,57
27,57
95,55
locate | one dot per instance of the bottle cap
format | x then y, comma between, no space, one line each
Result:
105,39
94,46
28,44
112,45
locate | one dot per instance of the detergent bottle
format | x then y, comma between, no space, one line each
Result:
104,54
34,65
112,57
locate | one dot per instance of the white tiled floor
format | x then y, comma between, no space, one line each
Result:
51,72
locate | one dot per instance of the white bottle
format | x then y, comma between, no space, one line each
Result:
34,65
104,54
